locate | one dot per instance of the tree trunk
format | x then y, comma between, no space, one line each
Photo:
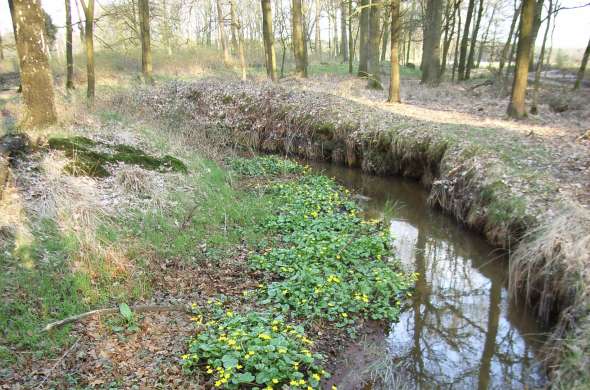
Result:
582,69
35,74
318,38
222,38
385,33
343,31
89,15
395,29
507,47
538,70
535,32
451,16
351,53
69,50
269,50
1,48
374,39
240,37
471,57
516,107
457,41
364,38
485,37
234,29
146,49
431,52
14,31
80,24
465,41
298,40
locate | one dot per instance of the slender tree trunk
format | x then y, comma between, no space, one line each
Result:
343,31
485,37
539,69
449,37
385,34
465,41
335,25
89,15
457,41
234,30
471,57
240,37
506,48
35,74
552,33
80,24
269,50
69,50
146,49
516,108
512,52
14,31
222,38
298,40
374,38
582,69
318,38
431,53
395,29
1,48
364,38
535,32
351,53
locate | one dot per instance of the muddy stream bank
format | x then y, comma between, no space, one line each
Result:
460,330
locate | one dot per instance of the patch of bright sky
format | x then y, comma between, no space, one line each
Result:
572,30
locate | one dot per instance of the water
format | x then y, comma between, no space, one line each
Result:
460,331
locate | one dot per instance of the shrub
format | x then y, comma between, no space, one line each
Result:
265,166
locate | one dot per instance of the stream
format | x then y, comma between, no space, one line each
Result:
460,330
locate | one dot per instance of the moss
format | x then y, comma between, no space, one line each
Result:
88,162
227,99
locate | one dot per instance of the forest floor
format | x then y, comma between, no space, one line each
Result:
102,222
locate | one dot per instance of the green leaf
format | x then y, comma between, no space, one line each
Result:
125,311
243,378
229,361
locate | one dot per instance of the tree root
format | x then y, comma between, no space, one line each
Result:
137,309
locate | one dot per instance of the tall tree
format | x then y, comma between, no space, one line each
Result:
14,31
343,31
431,47
364,38
146,49
374,65
35,74
221,27
298,39
351,54
484,40
539,68
1,48
89,35
453,9
269,50
69,50
582,69
318,37
516,107
395,29
234,27
385,32
465,41
240,36
506,48
536,26
473,47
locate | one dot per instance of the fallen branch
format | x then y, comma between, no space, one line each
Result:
48,375
136,309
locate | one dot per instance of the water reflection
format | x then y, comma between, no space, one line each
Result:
460,331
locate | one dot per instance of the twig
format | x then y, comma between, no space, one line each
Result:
137,309
48,375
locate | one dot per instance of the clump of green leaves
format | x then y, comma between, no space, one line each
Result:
332,264
265,166
255,350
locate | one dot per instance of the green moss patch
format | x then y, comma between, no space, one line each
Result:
90,157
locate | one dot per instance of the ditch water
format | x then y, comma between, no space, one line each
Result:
460,330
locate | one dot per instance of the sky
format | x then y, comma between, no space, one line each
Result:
571,32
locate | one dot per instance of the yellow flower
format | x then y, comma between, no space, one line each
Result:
293,382
218,384
344,315
275,380
184,357
231,342
334,387
239,366
282,350
264,336
229,313
317,377
209,371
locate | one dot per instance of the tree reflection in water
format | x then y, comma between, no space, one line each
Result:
460,331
